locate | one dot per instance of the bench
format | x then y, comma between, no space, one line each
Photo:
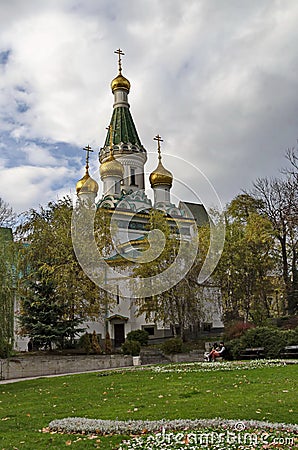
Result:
252,353
290,351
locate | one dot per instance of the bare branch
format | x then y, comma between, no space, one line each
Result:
7,216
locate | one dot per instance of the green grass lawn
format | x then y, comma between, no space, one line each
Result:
26,407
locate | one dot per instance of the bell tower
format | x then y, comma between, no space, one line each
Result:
161,180
127,147
86,187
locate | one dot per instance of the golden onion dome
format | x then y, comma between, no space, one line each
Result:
161,176
111,168
120,82
87,185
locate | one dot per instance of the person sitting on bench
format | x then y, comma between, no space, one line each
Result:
216,353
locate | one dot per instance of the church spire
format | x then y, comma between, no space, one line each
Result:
120,82
160,176
127,145
111,168
119,52
161,181
87,186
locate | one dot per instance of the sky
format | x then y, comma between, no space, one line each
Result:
217,79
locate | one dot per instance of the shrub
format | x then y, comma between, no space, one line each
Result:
173,345
286,322
85,343
5,348
237,329
272,339
138,335
234,348
131,347
108,344
292,336
96,348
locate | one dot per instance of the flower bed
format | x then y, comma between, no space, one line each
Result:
218,366
186,434
203,366
214,439
99,426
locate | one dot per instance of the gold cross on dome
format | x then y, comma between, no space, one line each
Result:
119,52
88,150
159,140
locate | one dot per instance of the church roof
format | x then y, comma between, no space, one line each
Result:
124,130
129,248
198,211
160,176
118,317
124,137
86,184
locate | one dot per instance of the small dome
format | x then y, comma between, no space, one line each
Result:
111,168
86,185
120,82
161,176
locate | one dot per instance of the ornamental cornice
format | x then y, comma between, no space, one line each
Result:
128,162
123,149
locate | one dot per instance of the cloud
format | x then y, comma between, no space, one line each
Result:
38,156
25,187
216,80
48,71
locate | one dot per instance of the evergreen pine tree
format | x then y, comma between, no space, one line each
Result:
45,320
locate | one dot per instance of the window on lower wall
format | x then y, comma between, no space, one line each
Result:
150,330
206,326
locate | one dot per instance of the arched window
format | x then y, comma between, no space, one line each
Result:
132,176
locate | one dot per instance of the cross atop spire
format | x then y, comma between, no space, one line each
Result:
88,150
119,52
110,129
159,140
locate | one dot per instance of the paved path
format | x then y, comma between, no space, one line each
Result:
15,380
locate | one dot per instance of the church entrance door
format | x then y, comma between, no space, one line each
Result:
119,334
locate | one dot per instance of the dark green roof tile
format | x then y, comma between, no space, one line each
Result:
124,129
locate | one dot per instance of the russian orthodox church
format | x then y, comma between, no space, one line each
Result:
122,166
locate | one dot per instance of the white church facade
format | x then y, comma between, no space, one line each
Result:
122,166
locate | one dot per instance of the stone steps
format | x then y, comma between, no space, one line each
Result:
156,356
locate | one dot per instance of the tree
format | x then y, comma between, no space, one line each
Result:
7,291
7,215
108,344
44,319
279,198
52,275
95,344
292,157
181,305
245,272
